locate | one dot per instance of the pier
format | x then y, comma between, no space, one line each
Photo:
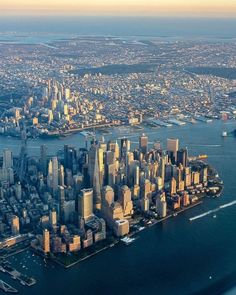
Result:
7,288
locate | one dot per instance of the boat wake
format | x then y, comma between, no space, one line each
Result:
213,211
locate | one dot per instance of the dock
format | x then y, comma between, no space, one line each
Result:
16,275
158,122
7,288
176,122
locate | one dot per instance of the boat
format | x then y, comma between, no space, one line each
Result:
224,134
127,240
214,216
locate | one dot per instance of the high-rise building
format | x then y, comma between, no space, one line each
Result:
61,176
43,158
101,165
15,225
22,164
136,175
85,204
161,205
7,159
95,176
173,186
70,158
67,93
75,244
182,157
111,174
125,147
143,144
114,147
172,148
172,145
52,178
187,177
88,241
18,191
46,241
53,218
204,175
121,227
195,177
125,200
61,199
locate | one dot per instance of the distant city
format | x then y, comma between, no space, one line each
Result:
64,87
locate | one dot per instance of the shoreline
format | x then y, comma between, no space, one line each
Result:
118,240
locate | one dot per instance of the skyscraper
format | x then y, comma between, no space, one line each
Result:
22,164
43,158
15,225
94,176
7,159
53,218
52,177
172,148
61,200
143,144
70,158
182,157
46,241
85,204
125,147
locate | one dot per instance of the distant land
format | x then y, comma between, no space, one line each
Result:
227,73
116,69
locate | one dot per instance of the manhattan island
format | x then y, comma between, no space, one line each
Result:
71,206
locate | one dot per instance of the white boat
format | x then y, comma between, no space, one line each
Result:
224,134
127,240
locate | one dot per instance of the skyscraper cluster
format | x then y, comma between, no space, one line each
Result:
72,201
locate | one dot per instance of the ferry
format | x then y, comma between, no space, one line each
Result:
127,240
224,134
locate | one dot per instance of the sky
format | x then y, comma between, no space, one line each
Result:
191,8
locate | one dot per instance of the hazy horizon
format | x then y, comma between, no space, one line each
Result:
207,8
224,28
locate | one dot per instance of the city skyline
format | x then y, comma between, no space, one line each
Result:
117,147
177,8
